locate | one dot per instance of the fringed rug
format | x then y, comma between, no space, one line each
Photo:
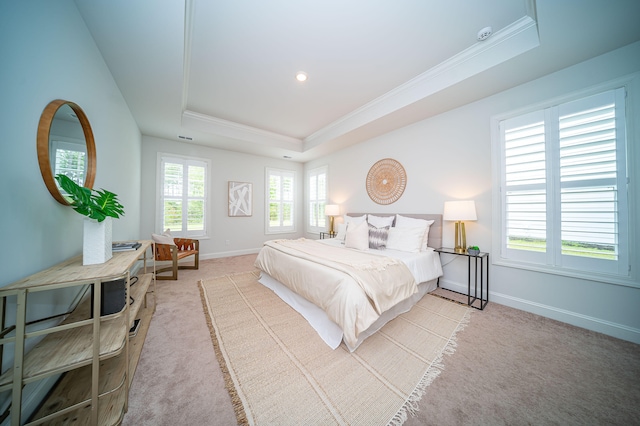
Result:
279,372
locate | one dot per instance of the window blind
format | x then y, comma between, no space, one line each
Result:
525,182
588,176
183,195
563,185
280,200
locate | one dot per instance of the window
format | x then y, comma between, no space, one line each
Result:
183,195
317,198
563,186
280,201
70,159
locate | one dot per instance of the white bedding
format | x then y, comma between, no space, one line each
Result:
425,265
299,281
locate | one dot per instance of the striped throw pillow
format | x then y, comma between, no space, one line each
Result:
378,237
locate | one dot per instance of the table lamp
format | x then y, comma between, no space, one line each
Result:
331,210
458,211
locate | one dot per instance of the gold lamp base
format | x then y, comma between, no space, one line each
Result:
331,229
461,238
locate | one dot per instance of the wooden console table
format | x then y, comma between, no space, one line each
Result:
94,354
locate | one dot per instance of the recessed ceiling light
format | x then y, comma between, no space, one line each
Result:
301,76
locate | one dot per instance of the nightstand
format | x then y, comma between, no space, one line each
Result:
484,273
324,235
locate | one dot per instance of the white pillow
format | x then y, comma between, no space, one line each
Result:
357,236
162,239
380,221
355,219
404,222
405,239
342,231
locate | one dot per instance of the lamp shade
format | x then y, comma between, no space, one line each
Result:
459,210
331,210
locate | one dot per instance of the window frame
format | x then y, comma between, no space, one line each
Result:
280,229
69,144
554,261
185,161
321,225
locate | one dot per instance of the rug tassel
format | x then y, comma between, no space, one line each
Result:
411,404
236,402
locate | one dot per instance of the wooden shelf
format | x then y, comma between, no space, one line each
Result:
67,393
96,379
73,348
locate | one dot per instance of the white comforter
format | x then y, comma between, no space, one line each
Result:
352,287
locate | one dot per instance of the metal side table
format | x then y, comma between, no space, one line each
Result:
484,272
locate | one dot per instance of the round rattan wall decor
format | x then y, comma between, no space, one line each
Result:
386,181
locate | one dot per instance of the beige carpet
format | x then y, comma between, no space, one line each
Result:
280,372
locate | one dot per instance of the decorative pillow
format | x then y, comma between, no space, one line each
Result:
378,237
405,239
380,221
355,219
162,239
357,236
404,222
342,231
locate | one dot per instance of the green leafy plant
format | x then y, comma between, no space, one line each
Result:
95,204
474,248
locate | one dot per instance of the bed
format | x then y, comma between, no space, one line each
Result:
345,293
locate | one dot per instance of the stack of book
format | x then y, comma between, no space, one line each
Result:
133,245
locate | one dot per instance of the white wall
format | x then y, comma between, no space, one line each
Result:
243,234
47,53
448,157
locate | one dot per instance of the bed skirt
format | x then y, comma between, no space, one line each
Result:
328,330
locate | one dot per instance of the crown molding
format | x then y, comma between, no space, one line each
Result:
206,123
513,40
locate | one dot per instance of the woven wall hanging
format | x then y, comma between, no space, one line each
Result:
386,181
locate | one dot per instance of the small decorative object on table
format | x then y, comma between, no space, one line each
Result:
473,250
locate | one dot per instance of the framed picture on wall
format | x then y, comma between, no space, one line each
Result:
240,197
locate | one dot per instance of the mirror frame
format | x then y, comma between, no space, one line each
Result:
44,158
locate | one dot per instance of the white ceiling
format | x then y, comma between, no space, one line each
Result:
223,72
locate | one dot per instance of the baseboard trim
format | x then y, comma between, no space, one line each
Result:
609,328
228,253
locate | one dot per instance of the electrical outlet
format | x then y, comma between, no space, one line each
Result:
227,242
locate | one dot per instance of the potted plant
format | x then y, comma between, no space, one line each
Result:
473,250
99,207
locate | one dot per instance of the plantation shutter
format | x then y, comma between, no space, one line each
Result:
589,178
280,201
525,207
196,197
183,199
563,185
70,159
317,199
173,185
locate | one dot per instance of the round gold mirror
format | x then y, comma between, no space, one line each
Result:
65,145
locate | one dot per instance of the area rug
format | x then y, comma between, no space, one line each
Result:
279,372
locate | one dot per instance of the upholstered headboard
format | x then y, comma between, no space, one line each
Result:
435,231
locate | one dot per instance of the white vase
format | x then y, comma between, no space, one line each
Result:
97,241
